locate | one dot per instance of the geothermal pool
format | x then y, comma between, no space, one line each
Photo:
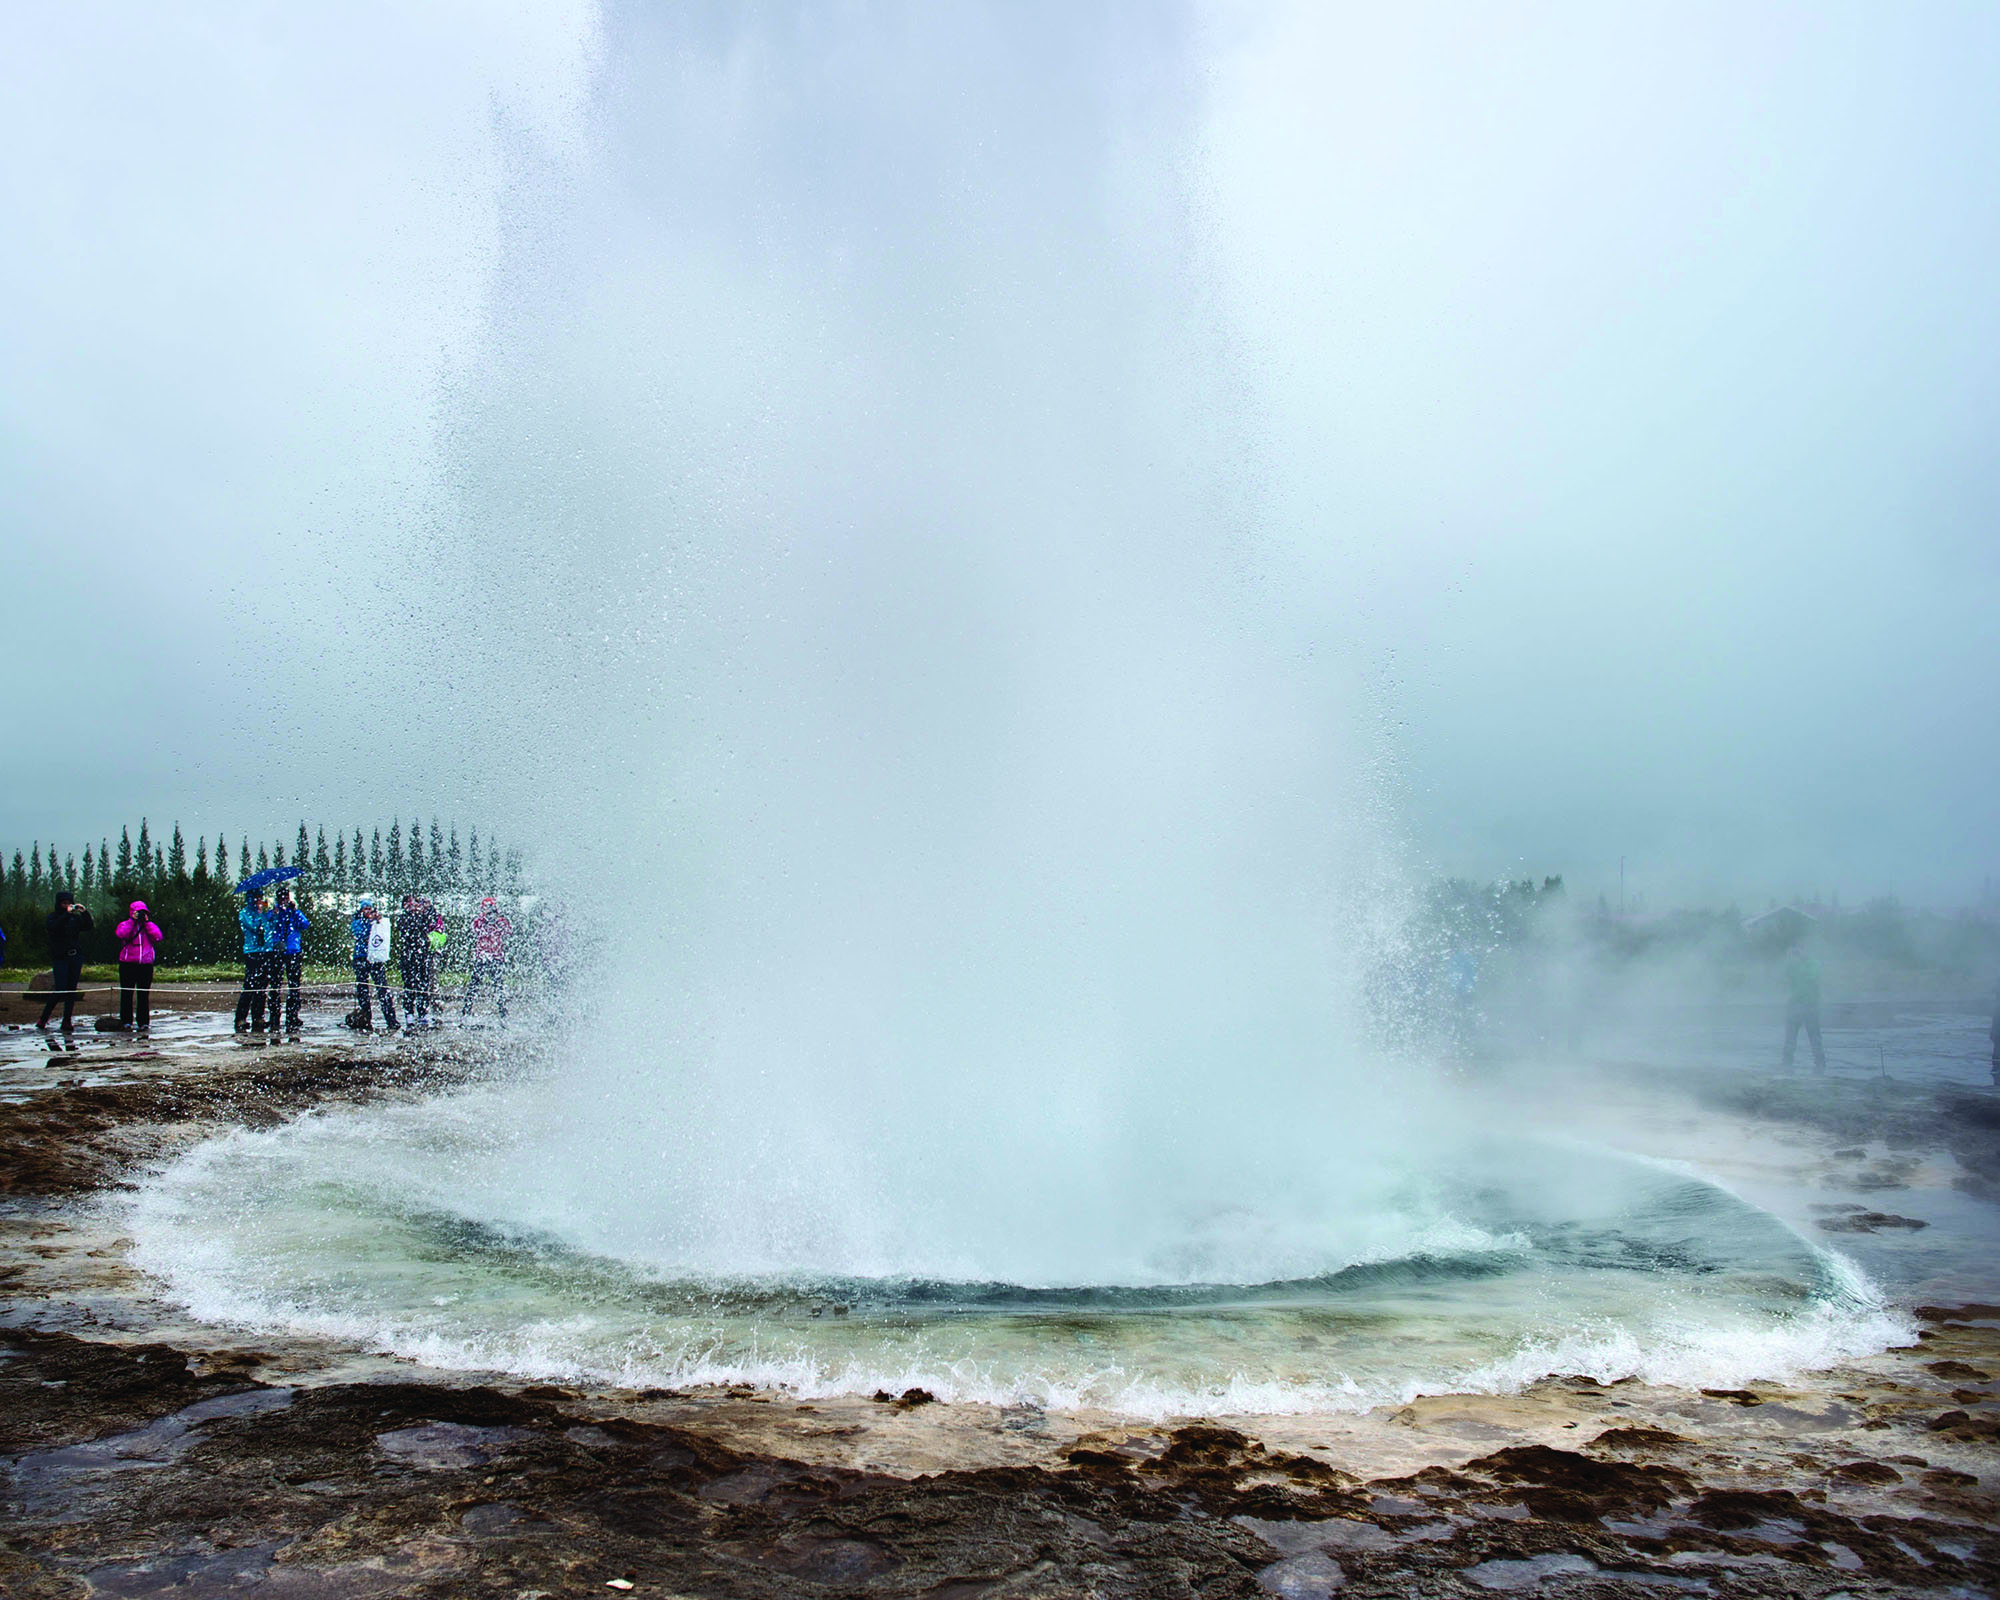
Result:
1485,1264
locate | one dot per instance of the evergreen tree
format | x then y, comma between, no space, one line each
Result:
177,860
415,878
277,855
89,872
474,865
395,878
492,866
223,875
263,856
69,872
438,879
17,879
103,866
374,860
513,879
145,854
201,860
454,863
124,855
340,862
302,847
322,863
35,872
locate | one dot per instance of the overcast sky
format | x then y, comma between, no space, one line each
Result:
1626,378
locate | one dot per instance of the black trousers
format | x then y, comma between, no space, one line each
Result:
135,982
291,966
418,979
65,973
376,972
256,979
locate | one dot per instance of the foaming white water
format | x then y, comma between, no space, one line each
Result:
362,1226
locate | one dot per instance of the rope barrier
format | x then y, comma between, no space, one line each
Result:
187,985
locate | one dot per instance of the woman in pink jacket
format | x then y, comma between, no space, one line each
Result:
138,944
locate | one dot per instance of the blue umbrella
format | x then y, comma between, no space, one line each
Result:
257,880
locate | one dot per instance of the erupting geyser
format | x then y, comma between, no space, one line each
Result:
858,502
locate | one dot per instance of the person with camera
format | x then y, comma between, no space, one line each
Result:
254,922
288,958
66,926
138,948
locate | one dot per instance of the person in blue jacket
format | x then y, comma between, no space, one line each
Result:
371,965
288,924
254,921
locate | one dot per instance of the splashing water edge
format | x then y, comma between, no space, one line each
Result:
329,1228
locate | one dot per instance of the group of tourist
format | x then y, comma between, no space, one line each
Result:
273,936
415,938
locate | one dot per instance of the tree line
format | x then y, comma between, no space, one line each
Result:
194,900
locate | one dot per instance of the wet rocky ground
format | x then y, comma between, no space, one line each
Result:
144,1456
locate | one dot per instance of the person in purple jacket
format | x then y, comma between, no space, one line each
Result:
138,948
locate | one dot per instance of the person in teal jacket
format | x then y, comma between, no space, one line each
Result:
254,920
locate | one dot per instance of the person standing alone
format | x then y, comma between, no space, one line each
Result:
489,957
288,957
1802,1006
67,925
138,948
1993,1033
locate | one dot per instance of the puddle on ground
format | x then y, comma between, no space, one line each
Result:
441,1446
44,1477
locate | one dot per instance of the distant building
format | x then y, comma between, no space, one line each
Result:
1782,925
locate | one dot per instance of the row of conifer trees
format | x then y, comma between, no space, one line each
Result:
194,900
